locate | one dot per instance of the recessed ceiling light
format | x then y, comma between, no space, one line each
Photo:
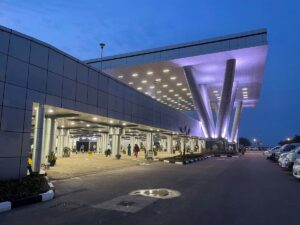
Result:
120,77
149,72
130,83
165,85
176,95
140,88
158,99
166,70
158,80
172,78
158,92
152,86
171,90
188,93
245,89
72,123
50,111
95,118
245,92
99,130
245,97
144,81
178,84
164,96
62,126
169,99
147,93
88,125
134,74
184,89
111,121
124,124
215,91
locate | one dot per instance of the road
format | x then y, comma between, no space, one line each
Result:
245,190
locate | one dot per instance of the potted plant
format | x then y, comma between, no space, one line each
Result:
107,152
52,158
118,156
66,152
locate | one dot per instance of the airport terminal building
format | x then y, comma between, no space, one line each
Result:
50,100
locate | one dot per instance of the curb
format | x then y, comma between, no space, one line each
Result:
187,161
43,197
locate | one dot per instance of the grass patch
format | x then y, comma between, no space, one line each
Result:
14,189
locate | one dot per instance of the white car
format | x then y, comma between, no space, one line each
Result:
296,168
282,161
291,157
269,152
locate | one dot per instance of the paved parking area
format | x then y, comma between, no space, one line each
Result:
235,191
84,164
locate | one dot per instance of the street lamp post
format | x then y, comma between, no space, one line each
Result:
102,45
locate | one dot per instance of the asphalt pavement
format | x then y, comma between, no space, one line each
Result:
217,191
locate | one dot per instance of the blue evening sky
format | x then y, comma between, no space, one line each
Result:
77,27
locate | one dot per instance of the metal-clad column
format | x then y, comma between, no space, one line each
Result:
200,103
38,138
226,98
236,121
228,115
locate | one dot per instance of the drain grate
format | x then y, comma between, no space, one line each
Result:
126,203
67,205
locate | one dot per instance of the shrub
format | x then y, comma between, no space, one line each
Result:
118,156
14,189
52,158
107,152
66,152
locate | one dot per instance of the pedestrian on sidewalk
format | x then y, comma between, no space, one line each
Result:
129,150
136,150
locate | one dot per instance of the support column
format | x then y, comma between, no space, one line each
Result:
116,133
38,138
46,139
224,109
105,140
52,142
182,144
98,143
148,141
236,121
201,102
169,144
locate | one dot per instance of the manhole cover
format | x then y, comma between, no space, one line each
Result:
161,193
67,205
126,203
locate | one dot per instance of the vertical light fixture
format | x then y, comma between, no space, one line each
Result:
102,45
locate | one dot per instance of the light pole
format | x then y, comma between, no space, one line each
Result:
102,45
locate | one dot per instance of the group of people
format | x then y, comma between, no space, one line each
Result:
136,150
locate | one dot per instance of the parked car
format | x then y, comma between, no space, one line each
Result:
268,153
291,157
282,159
296,168
283,149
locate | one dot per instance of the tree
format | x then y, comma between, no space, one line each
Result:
244,142
186,132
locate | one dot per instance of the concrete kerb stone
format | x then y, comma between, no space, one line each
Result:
43,197
187,161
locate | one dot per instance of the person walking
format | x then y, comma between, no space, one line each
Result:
129,150
136,150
